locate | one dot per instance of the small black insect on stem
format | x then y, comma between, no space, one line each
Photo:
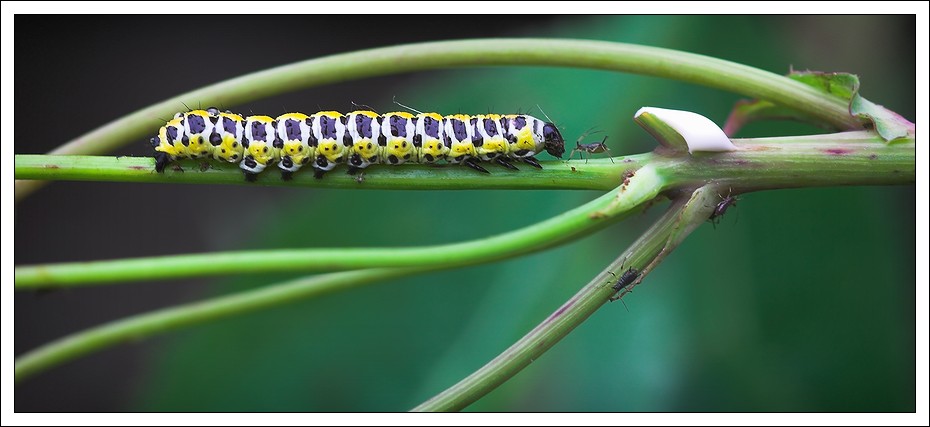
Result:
721,208
597,147
626,279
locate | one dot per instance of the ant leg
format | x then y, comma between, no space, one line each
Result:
610,156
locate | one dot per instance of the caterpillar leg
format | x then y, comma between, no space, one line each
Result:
352,170
286,166
472,163
532,162
250,177
505,162
161,161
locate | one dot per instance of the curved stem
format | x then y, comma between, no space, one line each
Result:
164,320
683,216
647,60
570,225
589,217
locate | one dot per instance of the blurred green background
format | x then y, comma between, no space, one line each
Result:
799,300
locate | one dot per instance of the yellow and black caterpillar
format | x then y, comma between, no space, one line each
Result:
360,138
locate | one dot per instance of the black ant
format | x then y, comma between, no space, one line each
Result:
721,208
597,147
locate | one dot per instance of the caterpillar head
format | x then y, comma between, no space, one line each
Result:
555,144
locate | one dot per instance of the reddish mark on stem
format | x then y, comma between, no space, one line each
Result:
138,168
561,310
837,151
52,167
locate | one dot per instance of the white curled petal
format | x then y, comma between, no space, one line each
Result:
699,132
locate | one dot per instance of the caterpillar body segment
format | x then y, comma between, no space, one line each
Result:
399,130
261,143
458,138
198,130
330,138
364,139
295,132
490,141
358,139
430,138
227,137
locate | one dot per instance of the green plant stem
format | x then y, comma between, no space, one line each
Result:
585,219
699,69
849,158
683,216
569,225
164,320
846,158
554,175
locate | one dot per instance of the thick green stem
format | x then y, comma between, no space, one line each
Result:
683,216
850,158
699,69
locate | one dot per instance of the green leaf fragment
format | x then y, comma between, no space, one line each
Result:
890,125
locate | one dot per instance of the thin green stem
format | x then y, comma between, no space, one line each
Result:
164,320
683,216
646,60
554,175
585,219
567,226
850,158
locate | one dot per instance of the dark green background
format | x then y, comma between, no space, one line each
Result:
799,300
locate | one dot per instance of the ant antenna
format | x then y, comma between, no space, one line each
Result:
402,105
590,131
544,113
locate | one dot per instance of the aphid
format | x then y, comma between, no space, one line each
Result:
597,147
721,208
358,139
626,279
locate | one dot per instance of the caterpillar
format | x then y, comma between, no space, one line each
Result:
358,139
